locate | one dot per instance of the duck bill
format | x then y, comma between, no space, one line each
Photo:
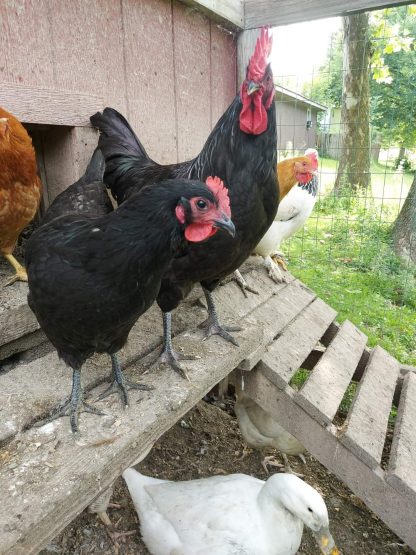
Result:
225,224
326,542
252,87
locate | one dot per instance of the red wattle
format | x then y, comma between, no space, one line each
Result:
253,115
199,232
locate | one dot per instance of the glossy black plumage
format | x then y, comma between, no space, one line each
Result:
91,278
86,196
247,165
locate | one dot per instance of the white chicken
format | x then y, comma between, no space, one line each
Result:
261,431
294,209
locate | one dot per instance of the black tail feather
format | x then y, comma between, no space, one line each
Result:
96,168
117,138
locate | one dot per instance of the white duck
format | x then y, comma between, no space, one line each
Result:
261,431
228,515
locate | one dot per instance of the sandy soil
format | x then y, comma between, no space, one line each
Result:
207,441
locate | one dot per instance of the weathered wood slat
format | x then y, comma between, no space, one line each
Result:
51,477
17,322
370,485
275,314
229,13
402,465
288,351
286,12
369,414
33,389
323,391
49,106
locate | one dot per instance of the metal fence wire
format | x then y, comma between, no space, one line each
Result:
346,248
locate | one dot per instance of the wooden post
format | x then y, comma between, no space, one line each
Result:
245,47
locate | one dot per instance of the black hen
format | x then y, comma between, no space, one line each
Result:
91,278
86,196
241,150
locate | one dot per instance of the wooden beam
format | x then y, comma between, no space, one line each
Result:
285,12
246,42
229,13
49,106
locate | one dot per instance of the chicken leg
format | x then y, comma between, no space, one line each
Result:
120,385
20,274
168,355
212,325
74,406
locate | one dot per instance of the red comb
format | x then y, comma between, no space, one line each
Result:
220,192
258,61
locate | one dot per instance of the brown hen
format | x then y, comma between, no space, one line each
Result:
20,187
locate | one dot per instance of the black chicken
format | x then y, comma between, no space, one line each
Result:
241,150
91,278
86,196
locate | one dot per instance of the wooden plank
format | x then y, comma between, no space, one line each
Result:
246,43
277,313
17,322
286,12
323,391
192,76
151,108
291,348
38,387
369,413
51,477
229,13
397,511
223,71
49,106
402,464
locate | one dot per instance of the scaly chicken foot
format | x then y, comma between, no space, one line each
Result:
278,258
114,534
243,285
273,270
169,356
271,461
74,406
212,326
20,274
120,384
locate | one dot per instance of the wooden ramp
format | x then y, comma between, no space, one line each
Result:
47,477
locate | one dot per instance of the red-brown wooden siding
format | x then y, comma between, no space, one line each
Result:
169,69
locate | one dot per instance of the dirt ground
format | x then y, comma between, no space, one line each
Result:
207,441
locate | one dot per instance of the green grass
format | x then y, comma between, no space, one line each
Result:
344,254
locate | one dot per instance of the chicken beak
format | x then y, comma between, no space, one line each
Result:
226,224
326,542
252,87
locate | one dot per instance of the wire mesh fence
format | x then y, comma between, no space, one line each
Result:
346,249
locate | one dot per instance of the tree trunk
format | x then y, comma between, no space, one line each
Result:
354,163
404,228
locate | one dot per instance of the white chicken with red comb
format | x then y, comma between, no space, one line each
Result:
294,209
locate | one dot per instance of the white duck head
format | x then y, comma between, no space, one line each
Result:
305,503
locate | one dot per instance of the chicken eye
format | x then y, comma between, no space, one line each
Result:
201,204
310,510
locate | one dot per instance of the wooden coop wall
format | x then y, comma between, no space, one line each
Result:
164,65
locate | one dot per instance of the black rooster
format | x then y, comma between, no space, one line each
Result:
241,150
91,278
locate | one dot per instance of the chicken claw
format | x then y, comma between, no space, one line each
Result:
20,274
74,406
212,325
120,385
273,270
244,286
